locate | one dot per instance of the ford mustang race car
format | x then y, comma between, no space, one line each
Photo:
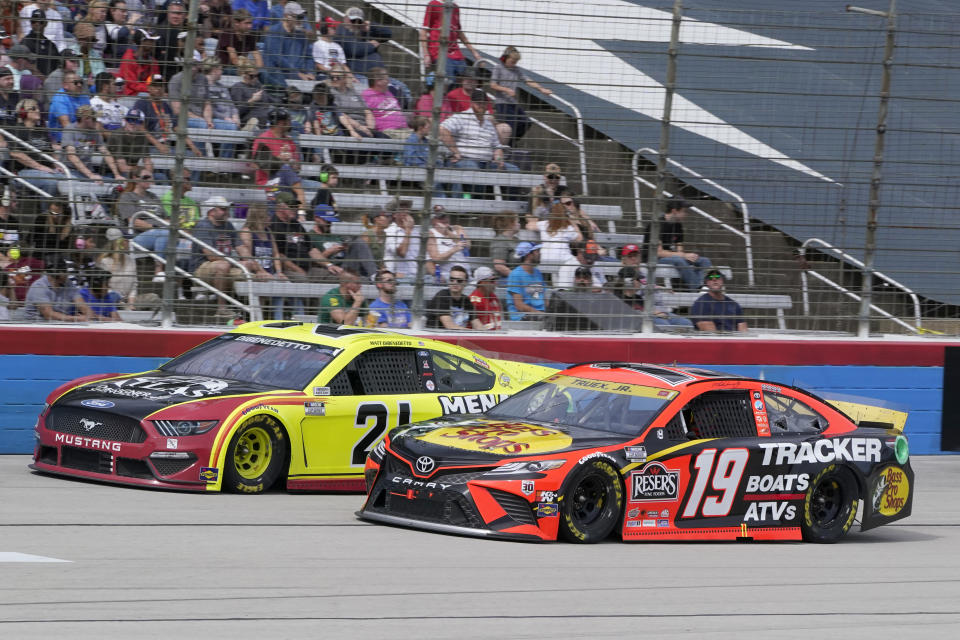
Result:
651,453
264,402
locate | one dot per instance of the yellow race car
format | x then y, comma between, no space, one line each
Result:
295,401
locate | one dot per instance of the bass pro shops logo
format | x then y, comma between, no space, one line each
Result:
654,483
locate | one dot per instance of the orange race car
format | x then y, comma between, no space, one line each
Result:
651,453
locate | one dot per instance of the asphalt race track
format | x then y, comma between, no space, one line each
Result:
152,564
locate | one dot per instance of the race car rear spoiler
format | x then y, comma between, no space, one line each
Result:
869,412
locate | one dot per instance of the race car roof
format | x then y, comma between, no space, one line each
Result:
653,375
333,335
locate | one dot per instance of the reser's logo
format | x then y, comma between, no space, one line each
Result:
424,464
89,425
654,482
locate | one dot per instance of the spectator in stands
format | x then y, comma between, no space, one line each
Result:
287,49
159,120
109,111
82,142
344,304
715,311
240,42
297,110
64,104
447,245
44,51
323,199
189,209
130,147
525,286
549,192
38,169
581,258
385,309
136,196
117,261
101,301
8,99
505,82
458,101
293,243
387,113
375,237
251,98
215,17
225,115
199,102
402,245
90,59
52,231
277,157
53,27
263,260
556,234
12,225
416,151
216,231
55,298
349,99
430,38
97,16
168,43
139,66
472,139
580,218
628,286
20,64
326,52
119,30
506,225
68,61
259,9
361,41
484,299
450,308
326,249
670,250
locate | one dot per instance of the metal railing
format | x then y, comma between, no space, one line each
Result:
846,257
51,159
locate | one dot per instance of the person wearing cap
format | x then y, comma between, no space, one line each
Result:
258,9
297,110
458,100
68,61
505,82
549,192
670,249
139,66
109,111
20,64
580,259
526,286
327,250
159,122
64,105
122,266
430,38
45,51
54,297
714,310
8,99
82,140
402,245
451,308
240,42
130,147
53,27
326,52
361,40
287,48
208,264
472,139
629,287
484,299
253,101
277,158
385,310
293,243
89,57
101,301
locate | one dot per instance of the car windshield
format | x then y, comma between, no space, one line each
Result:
616,407
283,364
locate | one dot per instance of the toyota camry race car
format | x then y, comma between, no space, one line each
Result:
651,453
267,401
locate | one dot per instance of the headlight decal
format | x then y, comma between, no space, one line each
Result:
174,428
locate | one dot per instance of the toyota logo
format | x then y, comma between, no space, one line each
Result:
425,464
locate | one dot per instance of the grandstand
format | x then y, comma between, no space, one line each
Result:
771,142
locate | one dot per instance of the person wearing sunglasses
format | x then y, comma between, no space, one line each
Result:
548,193
714,310
84,148
451,308
671,250
386,310
64,105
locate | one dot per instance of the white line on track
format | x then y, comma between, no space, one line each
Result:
13,556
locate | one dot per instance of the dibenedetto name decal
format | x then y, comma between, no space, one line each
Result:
823,451
476,403
504,439
273,342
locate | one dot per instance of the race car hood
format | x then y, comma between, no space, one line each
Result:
141,394
486,441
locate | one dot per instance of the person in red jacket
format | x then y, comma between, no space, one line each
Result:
139,65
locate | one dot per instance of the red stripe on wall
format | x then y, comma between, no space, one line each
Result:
55,340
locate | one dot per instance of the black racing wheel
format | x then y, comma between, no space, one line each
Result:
591,504
256,456
830,505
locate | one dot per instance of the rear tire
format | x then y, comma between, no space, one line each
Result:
830,506
591,505
255,457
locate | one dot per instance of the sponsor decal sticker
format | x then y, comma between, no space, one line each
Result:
315,408
547,510
663,523
481,362
633,523
649,523
504,380
756,395
546,496
87,443
159,387
778,483
651,514
499,438
822,451
474,403
891,491
321,391
770,511
758,405
430,385
527,487
771,387
96,403
595,454
654,483
259,407
172,443
659,434
636,454
418,484
633,513
423,354
210,474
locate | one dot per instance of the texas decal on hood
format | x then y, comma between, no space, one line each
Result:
157,387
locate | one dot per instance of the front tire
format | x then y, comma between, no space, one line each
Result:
256,457
830,506
591,505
